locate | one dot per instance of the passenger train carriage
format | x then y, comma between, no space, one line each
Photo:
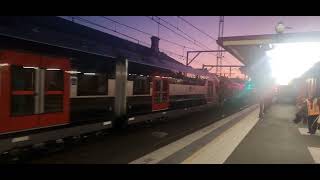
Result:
39,90
52,86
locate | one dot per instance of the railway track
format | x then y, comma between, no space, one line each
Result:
42,151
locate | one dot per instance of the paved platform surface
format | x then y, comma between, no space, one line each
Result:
244,140
276,140
212,144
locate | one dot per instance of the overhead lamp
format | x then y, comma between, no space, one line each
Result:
90,74
30,67
53,69
73,72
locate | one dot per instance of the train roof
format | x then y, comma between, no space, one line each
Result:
59,32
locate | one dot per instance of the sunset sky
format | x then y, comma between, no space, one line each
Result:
233,26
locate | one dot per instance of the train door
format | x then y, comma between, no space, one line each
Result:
160,94
34,91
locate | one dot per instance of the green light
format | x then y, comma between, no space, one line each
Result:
249,85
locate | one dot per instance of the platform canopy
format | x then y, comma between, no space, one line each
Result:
289,54
247,49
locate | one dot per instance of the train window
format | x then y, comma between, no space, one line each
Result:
22,105
23,79
92,84
54,80
141,85
53,103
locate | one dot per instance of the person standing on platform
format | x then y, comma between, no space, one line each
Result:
261,76
313,105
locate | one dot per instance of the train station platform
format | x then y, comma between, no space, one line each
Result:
243,138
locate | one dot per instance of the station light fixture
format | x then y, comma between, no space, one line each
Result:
73,72
30,67
291,60
90,74
280,27
53,69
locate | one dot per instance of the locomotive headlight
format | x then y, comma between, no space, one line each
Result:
291,60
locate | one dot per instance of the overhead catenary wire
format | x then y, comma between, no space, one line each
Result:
146,33
176,27
165,50
180,57
196,28
139,41
171,52
107,28
190,40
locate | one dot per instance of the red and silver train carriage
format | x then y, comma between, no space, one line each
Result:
51,89
39,90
